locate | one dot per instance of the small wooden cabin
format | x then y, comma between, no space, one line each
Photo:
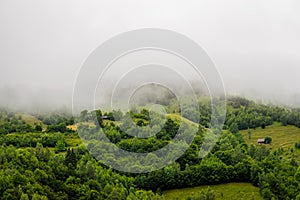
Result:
105,117
261,141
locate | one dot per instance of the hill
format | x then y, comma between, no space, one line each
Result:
230,191
282,136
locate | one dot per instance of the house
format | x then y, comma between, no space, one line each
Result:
261,141
105,117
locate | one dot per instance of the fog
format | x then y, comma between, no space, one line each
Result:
255,44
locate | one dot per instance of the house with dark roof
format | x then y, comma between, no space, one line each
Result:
105,117
261,141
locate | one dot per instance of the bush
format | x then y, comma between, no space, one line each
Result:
268,140
297,145
60,146
234,128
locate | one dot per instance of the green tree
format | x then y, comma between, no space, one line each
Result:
249,134
234,128
60,146
99,118
70,158
24,197
268,140
39,197
38,128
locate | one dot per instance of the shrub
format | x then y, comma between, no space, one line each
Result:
297,145
268,140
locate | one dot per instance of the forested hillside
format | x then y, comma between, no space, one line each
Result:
44,158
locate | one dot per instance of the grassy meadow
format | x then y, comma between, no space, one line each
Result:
282,136
228,191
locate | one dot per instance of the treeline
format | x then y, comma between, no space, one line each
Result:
247,114
39,174
231,160
243,114
14,123
10,123
32,139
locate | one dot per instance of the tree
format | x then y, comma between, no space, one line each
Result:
140,122
99,118
268,140
117,115
294,162
24,197
297,175
60,146
41,176
84,115
263,125
234,128
249,134
266,193
38,128
39,197
70,158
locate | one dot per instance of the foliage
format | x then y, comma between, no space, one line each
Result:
226,191
30,170
60,146
268,140
297,145
39,174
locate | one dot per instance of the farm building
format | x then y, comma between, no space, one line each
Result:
261,141
105,117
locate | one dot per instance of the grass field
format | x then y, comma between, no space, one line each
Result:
179,118
282,136
229,191
32,120
73,141
172,116
29,119
75,126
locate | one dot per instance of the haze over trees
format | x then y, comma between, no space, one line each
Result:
46,160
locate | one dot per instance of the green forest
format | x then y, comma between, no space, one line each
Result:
45,156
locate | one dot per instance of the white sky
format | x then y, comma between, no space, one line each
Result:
254,43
